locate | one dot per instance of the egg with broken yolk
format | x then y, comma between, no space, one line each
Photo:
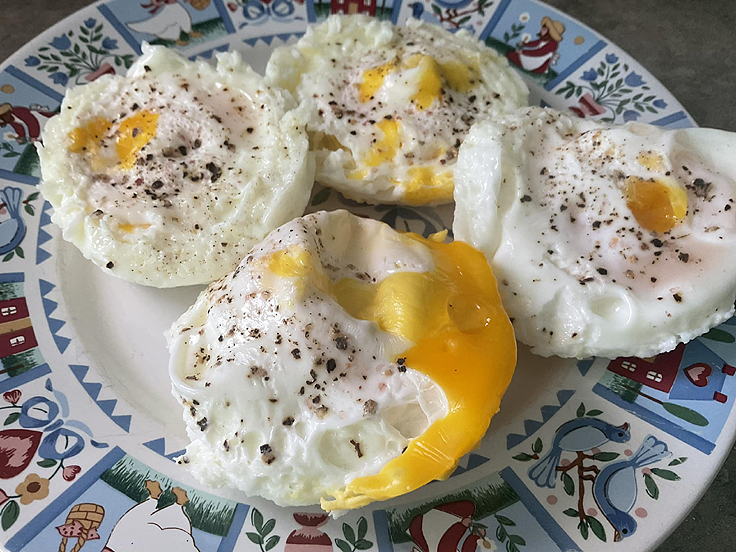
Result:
169,175
382,356
389,106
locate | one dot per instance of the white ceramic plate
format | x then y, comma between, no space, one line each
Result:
87,416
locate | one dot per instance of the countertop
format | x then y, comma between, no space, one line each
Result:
684,44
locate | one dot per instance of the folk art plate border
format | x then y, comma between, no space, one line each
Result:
82,469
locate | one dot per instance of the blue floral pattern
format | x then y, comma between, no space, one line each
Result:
80,56
612,90
49,434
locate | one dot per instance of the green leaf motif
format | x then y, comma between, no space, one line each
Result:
568,484
271,542
362,528
687,414
256,518
572,512
583,528
517,540
254,538
605,456
33,196
9,515
651,485
268,527
12,418
19,252
594,412
503,520
523,457
343,546
363,544
678,461
47,463
537,446
436,9
501,533
581,410
349,533
596,527
669,475
8,256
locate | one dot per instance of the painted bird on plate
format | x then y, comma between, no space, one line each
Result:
418,12
615,490
12,230
577,435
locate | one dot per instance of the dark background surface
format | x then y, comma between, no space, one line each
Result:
690,46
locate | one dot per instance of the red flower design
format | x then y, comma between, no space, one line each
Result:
70,472
3,497
232,6
12,396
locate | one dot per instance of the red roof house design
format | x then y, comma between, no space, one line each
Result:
16,332
353,6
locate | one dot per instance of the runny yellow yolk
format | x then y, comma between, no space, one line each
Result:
133,133
463,341
658,205
431,74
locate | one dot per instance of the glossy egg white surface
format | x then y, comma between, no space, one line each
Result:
584,268
169,175
388,107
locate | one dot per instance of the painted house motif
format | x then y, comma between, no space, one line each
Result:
701,381
20,357
354,6
16,331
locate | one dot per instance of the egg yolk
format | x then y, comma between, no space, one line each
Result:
431,75
88,138
429,85
425,186
385,149
657,205
463,341
373,79
133,133
130,228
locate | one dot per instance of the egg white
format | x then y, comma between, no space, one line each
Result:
285,394
227,164
325,70
542,195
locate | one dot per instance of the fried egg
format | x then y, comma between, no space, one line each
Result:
606,240
341,363
169,175
389,106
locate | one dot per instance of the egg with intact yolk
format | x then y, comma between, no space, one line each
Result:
606,240
167,176
342,362
389,106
